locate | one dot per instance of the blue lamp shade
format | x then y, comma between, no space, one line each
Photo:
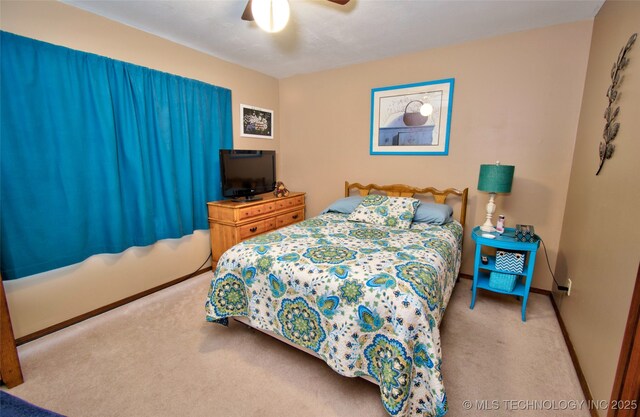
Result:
496,178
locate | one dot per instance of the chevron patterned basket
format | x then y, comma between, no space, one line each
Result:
509,261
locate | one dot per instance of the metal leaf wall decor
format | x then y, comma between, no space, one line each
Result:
611,126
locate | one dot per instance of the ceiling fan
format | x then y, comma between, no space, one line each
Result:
272,15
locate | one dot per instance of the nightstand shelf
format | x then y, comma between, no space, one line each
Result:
483,282
491,266
481,272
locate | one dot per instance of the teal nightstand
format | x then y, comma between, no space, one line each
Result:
505,241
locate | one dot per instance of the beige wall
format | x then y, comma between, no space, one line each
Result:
49,298
517,99
600,244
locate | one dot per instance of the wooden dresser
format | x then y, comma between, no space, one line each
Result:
231,223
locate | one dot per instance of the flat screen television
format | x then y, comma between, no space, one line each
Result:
245,173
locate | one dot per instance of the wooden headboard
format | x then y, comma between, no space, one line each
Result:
400,190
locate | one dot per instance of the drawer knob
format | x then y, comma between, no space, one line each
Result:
253,229
295,217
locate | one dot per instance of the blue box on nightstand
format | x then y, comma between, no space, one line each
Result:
525,233
502,282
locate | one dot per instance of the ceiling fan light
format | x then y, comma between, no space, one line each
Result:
271,15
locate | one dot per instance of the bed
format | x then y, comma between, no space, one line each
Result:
367,299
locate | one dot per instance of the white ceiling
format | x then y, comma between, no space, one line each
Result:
323,35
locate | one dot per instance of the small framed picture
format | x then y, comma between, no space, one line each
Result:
256,122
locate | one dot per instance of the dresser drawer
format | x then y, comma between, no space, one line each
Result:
245,213
252,229
262,209
289,218
289,202
256,211
269,224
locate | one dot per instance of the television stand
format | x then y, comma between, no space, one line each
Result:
246,199
231,223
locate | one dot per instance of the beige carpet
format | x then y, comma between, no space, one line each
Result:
158,357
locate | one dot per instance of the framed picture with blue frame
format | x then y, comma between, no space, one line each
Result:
412,119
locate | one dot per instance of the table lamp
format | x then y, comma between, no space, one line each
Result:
494,179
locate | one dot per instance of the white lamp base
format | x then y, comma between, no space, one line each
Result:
491,208
487,228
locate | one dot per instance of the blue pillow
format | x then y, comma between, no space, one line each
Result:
344,205
433,213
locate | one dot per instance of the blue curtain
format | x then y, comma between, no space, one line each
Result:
98,155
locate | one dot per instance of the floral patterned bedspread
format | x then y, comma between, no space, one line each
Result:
368,299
